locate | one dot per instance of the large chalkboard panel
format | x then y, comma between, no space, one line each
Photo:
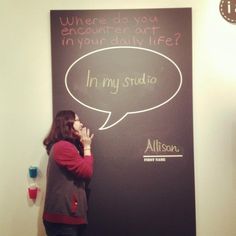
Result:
128,75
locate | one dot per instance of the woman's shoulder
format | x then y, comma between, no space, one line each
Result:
64,146
65,143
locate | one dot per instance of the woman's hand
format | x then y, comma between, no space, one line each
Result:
86,138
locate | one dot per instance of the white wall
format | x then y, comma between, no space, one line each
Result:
26,108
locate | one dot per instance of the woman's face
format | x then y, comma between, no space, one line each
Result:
77,124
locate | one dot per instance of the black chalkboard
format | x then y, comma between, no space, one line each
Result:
128,75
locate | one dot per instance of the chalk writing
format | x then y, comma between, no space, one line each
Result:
111,74
156,151
155,146
115,84
76,20
165,40
121,29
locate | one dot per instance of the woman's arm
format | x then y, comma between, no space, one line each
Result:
67,155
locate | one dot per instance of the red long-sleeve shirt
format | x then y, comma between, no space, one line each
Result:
67,155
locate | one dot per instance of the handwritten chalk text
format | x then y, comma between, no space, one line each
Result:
114,84
155,146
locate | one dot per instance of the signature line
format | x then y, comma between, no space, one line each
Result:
162,156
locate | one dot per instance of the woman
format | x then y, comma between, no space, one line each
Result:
70,165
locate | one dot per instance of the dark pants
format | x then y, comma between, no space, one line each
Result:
55,229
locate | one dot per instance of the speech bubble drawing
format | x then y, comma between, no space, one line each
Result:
123,80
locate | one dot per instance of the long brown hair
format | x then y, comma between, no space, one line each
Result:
61,129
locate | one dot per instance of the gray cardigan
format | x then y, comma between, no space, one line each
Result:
67,170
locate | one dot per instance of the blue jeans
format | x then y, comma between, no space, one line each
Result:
55,229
